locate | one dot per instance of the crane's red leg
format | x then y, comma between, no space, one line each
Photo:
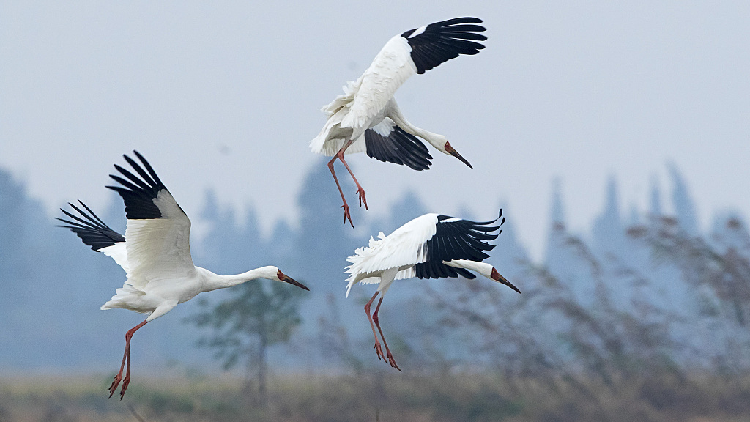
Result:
378,348
345,206
360,190
118,377
125,359
391,360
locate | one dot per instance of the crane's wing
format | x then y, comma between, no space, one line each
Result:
421,247
158,230
95,233
401,249
456,239
387,142
439,42
413,52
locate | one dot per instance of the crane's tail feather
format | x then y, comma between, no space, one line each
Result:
125,297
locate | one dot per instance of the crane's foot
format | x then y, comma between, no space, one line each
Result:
391,360
347,216
124,386
115,383
379,351
361,193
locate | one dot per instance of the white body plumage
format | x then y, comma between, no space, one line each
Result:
155,252
160,272
398,255
368,102
429,246
399,251
367,118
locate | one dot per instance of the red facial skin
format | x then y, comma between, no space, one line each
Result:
499,278
450,150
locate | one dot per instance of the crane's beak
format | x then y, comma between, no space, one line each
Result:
455,153
286,279
499,278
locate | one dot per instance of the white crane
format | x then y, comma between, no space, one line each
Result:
367,118
155,252
429,246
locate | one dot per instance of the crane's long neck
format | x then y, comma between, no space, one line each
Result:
437,141
481,267
219,281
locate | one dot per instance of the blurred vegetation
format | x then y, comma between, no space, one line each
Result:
260,315
645,320
384,396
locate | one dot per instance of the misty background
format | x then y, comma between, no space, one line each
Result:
609,134
613,136
227,96
645,288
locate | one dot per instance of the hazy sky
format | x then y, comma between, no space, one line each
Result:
227,95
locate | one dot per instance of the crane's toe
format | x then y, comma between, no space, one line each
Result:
392,361
347,216
361,193
379,351
124,386
113,386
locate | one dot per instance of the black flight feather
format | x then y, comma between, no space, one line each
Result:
138,193
456,239
398,147
445,40
90,228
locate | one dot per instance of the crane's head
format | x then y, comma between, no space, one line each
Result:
450,150
441,143
499,278
286,279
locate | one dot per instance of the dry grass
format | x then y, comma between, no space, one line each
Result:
382,395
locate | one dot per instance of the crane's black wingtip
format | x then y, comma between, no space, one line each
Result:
138,190
464,19
89,227
139,155
441,41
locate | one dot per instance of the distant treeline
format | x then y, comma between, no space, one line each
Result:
640,292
